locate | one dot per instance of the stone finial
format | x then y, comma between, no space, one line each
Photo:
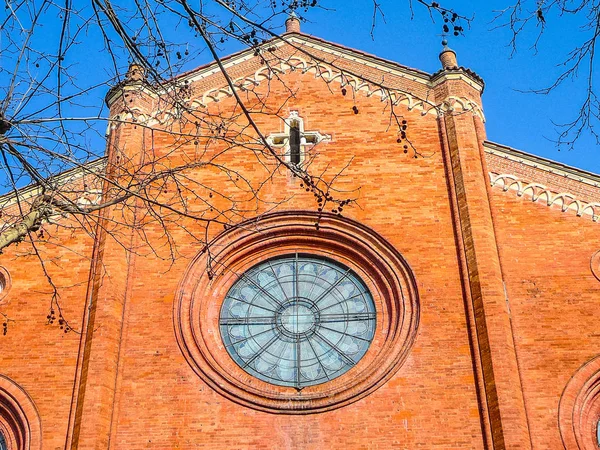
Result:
448,56
136,72
135,81
292,24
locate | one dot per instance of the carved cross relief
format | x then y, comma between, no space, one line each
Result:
295,139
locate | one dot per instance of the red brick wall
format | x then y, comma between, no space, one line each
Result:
553,297
39,357
135,388
430,403
554,182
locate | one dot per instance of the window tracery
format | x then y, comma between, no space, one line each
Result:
340,242
298,320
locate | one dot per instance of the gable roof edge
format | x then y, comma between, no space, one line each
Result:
297,39
34,189
540,163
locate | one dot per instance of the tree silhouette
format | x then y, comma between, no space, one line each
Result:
60,58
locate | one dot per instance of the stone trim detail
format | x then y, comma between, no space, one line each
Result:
209,277
19,418
352,54
92,168
579,408
300,40
538,191
539,165
307,138
458,73
329,74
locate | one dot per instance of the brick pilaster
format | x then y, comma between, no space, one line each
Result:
504,418
92,413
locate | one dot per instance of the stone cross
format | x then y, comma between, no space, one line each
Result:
295,138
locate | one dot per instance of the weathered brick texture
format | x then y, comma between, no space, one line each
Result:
507,302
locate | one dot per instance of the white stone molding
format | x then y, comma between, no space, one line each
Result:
539,192
330,74
93,168
306,64
307,138
544,164
326,72
357,56
460,105
458,76
133,88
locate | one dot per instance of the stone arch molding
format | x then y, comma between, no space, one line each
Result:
328,73
579,408
19,418
206,282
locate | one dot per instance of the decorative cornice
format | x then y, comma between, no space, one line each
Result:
458,73
323,70
331,74
327,73
299,40
68,176
364,59
127,86
543,164
538,191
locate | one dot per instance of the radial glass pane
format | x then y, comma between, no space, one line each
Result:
3,445
297,320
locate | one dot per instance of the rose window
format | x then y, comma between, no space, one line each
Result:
297,320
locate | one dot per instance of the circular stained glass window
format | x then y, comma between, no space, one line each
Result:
297,320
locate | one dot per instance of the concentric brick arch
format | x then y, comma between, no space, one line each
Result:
19,418
595,265
579,409
380,266
5,284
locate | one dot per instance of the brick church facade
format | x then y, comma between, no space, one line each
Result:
477,267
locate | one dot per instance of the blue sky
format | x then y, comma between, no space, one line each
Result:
521,120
